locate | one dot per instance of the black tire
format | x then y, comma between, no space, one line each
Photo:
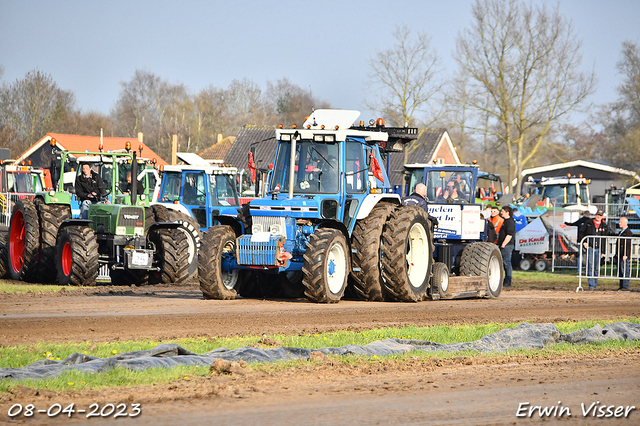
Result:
217,242
540,265
365,239
484,259
194,237
24,241
327,251
440,280
407,235
77,256
189,226
525,264
4,248
171,256
50,218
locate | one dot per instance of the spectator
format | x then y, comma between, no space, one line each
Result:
581,224
624,254
596,229
139,187
89,189
496,220
419,198
506,242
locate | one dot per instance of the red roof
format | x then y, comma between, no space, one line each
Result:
92,143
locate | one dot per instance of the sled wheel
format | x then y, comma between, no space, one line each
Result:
326,266
484,259
407,254
525,264
440,280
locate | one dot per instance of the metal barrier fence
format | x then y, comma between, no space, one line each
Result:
603,259
7,200
564,248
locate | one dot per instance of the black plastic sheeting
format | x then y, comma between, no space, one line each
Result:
524,336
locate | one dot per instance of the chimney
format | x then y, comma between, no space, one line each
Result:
219,137
174,150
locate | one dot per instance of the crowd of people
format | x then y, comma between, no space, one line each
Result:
501,230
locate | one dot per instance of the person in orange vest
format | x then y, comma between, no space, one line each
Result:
496,219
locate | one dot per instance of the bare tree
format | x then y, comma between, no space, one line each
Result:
526,61
405,81
289,103
31,107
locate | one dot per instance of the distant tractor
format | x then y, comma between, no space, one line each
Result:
127,235
466,266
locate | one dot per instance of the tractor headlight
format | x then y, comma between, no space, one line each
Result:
138,230
274,230
142,196
121,230
256,227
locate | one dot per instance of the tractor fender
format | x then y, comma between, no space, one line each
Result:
371,200
178,207
164,225
334,224
75,222
232,222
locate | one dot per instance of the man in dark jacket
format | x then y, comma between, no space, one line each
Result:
419,198
89,188
506,242
596,229
624,253
581,224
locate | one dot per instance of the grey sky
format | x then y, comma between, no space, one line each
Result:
90,46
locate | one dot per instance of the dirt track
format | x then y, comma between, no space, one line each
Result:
105,314
462,391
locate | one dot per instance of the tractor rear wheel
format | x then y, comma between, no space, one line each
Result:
407,254
189,227
4,248
24,240
367,282
77,256
51,217
326,266
218,243
484,259
172,255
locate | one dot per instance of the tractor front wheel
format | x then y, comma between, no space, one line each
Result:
218,243
77,256
326,266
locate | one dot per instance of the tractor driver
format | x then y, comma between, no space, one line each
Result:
452,193
326,168
89,189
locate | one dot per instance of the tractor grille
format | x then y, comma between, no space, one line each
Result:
259,253
131,216
266,221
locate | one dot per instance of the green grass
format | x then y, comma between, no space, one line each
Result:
18,356
7,286
562,279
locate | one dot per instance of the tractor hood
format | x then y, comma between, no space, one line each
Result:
298,206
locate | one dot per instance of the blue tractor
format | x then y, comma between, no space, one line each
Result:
329,219
465,265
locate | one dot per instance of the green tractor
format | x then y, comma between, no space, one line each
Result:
137,242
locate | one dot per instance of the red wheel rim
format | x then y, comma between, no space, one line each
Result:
16,242
66,259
